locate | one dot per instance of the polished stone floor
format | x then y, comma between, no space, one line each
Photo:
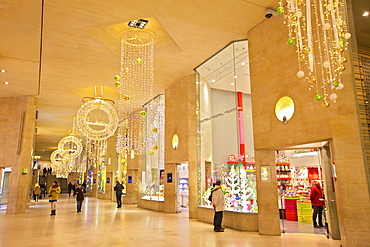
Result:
101,224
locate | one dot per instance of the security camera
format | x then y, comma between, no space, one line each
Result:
269,13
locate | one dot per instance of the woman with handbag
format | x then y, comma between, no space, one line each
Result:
53,196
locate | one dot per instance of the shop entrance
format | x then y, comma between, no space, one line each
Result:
4,186
182,187
298,168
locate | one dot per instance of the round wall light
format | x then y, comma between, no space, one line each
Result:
175,141
284,109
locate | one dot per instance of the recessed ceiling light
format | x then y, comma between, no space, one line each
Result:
365,13
235,76
213,80
6,83
3,70
197,82
232,84
243,63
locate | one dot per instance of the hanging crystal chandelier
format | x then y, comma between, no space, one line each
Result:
136,86
318,29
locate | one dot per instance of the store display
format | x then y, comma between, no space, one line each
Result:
304,212
239,187
291,209
153,141
183,184
294,185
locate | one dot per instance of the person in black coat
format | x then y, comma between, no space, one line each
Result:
118,189
80,196
70,188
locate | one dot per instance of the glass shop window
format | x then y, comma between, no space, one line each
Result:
225,147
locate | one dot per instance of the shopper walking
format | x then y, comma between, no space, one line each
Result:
118,189
218,201
317,202
54,191
36,192
70,187
80,195
74,187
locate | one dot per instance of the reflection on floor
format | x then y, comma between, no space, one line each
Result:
297,227
101,224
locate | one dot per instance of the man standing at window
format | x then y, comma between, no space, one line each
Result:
118,189
218,201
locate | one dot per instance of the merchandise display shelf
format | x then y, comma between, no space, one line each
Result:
304,212
291,209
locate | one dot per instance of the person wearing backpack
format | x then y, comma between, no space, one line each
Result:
218,202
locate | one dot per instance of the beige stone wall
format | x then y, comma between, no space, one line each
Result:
18,157
181,120
110,161
133,190
273,66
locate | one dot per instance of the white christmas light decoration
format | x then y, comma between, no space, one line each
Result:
318,30
136,86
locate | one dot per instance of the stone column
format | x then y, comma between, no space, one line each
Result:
129,200
17,117
170,188
268,208
181,120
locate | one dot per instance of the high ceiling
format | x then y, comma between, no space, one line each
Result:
58,51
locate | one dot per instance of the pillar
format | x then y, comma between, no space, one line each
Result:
268,208
170,188
17,118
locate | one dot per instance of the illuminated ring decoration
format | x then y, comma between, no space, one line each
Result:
56,157
71,142
83,123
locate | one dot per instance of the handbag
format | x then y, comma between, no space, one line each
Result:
50,195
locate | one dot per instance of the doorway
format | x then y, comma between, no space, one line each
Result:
182,187
4,186
297,169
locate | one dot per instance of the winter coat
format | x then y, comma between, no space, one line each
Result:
70,186
118,188
316,195
218,198
80,194
54,191
37,190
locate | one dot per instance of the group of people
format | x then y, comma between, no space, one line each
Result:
73,188
54,191
78,191
47,171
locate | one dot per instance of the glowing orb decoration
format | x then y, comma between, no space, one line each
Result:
284,108
175,141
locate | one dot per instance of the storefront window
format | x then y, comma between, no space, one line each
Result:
225,135
153,162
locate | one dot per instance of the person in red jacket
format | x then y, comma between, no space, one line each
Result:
317,202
